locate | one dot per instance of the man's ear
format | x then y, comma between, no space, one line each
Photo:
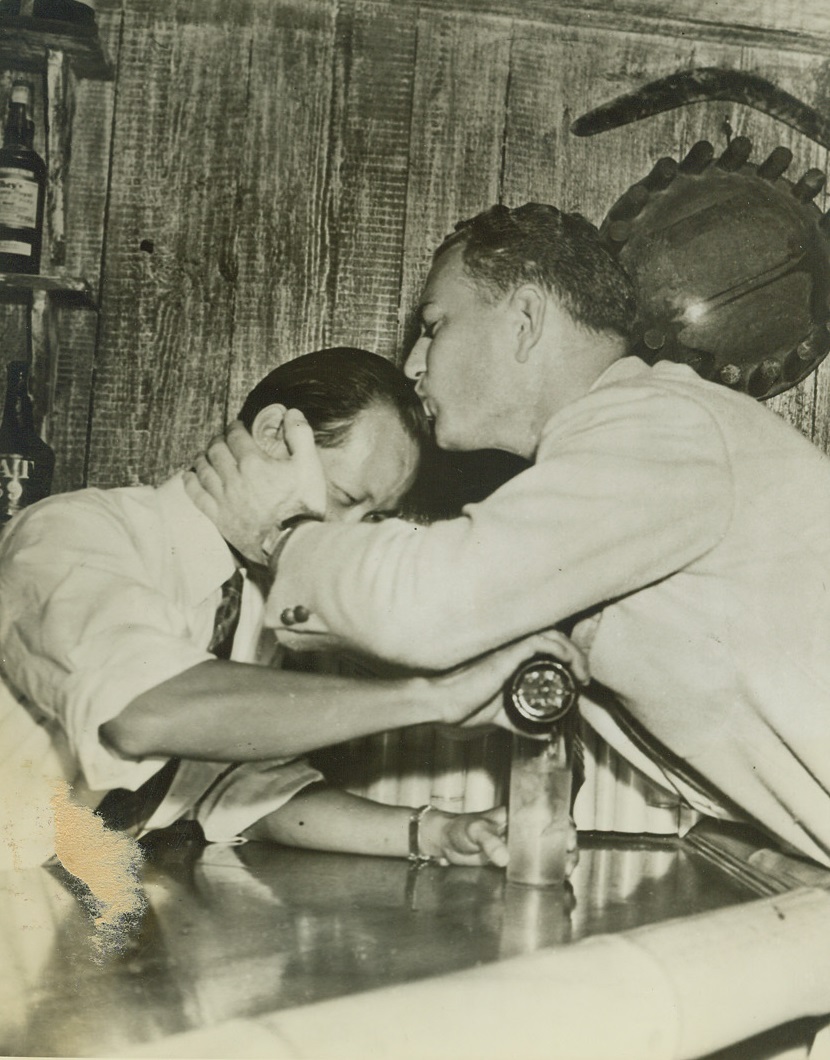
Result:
267,430
529,303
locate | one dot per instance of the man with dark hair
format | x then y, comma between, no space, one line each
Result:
678,526
128,626
561,252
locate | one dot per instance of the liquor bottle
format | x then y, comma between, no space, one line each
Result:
22,187
26,461
540,699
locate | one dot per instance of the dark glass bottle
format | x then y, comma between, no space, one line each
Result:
22,187
26,461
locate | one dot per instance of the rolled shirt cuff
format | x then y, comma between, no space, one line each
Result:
248,792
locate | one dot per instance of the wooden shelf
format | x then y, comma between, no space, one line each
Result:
75,290
25,41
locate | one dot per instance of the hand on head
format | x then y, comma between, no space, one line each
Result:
247,492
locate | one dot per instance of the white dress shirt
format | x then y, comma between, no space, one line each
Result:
105,594
690,521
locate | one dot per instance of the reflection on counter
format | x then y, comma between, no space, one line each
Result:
236,931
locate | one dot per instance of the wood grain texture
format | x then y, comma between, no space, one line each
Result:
289,168
780,24
167,300
277,258
369,171
457,136
557,75
60,102
85,205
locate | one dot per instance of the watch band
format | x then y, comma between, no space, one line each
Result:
277,538
415,818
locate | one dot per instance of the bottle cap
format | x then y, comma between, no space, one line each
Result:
540,693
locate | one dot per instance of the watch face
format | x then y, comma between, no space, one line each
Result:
543,690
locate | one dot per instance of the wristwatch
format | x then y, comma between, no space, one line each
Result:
277,538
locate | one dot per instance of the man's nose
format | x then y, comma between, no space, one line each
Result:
416,363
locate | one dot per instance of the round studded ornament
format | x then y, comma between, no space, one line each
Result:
731,264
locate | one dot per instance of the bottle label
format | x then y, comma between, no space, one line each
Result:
15,472
14,246
18,198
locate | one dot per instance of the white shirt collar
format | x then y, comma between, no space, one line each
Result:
623,368
202,554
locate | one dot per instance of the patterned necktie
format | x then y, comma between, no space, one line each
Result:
123,809
227,617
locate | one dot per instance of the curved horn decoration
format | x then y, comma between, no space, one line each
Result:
696,86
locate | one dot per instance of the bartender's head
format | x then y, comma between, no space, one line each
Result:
522,310
368,425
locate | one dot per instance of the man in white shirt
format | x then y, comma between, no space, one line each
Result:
108,600
680,527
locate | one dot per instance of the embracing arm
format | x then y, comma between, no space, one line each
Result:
605,511
220,710
628,487
242,712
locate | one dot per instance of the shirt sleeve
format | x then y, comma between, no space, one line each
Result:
84,630
622,494
248,792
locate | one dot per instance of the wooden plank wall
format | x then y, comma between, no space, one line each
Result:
267,176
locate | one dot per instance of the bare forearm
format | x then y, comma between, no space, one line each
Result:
241,712
238,712
329,819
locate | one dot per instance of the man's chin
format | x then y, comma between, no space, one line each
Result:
444,438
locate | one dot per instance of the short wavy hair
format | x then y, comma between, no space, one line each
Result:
332,387
503,248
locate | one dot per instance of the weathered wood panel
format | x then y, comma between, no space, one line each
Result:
276,261
778,23
369,170
557,76
86,200
167,304
281,173
457,137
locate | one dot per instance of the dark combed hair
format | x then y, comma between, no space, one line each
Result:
503,248
331,387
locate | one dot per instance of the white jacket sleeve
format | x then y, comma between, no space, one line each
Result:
622,494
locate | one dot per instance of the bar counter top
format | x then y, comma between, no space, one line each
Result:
230,932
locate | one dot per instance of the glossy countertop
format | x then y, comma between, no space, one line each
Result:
236,931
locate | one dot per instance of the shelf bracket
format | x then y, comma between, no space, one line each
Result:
60,100
43,359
